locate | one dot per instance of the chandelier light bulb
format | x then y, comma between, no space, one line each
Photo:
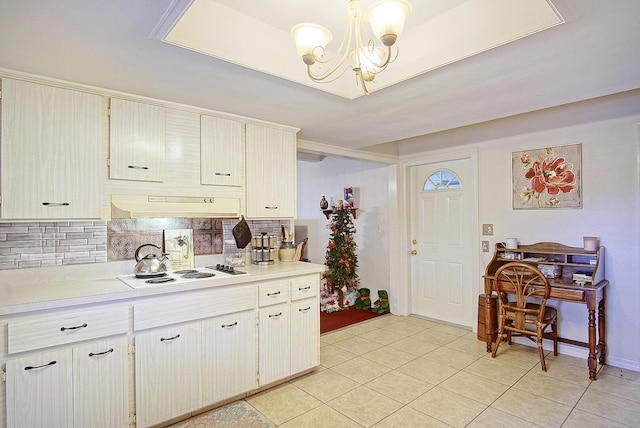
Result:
387,19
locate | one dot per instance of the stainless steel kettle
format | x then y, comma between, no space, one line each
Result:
150,265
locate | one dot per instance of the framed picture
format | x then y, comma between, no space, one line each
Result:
547,178
179,247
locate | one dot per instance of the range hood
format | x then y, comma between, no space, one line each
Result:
140,206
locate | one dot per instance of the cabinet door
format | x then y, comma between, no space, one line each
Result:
100,379
271,172
305,334
168,374
39,390
221,152
51,152
136,141
229,359
274,343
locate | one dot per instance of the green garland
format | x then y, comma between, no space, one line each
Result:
341,258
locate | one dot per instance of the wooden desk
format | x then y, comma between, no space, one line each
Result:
572,260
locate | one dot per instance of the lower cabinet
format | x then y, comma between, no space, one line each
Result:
305,340
275,342
229,356
79,386
168,373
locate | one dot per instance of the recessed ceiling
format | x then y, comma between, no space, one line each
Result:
437,33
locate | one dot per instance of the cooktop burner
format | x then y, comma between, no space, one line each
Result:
196,274
183,271
151,275
159,280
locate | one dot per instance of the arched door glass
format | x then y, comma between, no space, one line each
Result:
442,180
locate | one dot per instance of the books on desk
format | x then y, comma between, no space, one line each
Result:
582,278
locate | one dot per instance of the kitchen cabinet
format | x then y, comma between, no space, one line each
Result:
84,383
305,323
136,141
168,373
271,172
39,390
274,339
233,337
79,386
167,354
222,151
51,155
100,384
289,339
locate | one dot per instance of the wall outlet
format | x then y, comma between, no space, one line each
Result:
485,246
487,229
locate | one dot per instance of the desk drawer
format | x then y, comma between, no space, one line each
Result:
67,326
569,294
182,307
305,286
273,292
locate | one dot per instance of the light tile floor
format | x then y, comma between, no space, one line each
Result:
397,371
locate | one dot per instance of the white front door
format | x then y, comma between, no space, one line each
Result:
441,241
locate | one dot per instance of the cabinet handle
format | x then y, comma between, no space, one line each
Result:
276,315
56,204
137,167
91,354
271,208
224,174
304,309
39,367
73,328
308,287
230,325
273,294
162,339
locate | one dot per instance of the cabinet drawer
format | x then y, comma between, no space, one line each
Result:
62,327
183,307
304,287
273,292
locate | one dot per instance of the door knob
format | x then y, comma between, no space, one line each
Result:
414,242
414,252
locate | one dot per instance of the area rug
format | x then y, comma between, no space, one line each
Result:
238,414
330,321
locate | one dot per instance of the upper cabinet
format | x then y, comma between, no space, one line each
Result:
51,165
222,152
136,141
271,172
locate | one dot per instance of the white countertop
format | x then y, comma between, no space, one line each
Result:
24,290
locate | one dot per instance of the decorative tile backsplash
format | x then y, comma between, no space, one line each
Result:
27,245
43,244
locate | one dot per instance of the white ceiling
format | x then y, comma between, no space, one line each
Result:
110,44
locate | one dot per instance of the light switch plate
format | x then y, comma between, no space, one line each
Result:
485,246
487,229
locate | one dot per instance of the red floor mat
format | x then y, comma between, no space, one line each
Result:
334,320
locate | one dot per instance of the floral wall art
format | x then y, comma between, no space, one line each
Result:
547,178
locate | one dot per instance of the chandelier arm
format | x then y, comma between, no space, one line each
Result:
344,45
324,79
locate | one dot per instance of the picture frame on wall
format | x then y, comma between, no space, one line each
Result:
547,178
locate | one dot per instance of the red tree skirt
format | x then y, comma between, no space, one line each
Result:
330,321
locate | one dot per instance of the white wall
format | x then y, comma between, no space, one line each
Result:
371,181
608,130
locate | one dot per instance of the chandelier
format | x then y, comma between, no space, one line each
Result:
365,59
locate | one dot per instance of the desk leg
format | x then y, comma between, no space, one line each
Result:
602,326
591,360
488,320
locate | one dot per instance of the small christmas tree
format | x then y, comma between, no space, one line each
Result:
341,258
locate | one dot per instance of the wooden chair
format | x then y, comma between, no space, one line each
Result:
528,315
